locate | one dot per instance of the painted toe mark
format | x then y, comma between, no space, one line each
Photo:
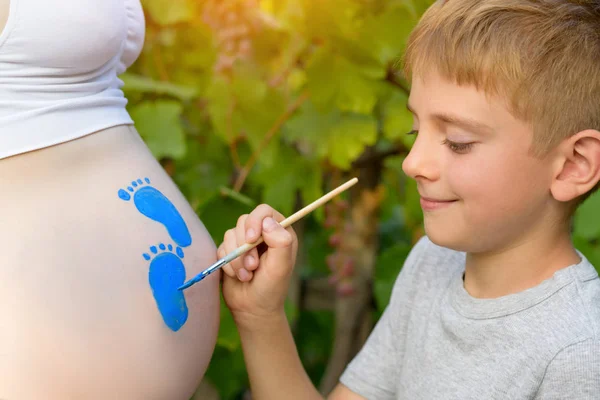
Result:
156,206
124,195
166,274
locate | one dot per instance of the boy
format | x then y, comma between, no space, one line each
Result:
495,302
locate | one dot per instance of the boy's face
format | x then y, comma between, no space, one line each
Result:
471,157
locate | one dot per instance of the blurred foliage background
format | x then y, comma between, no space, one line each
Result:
279,101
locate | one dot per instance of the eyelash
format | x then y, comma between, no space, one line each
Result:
459,148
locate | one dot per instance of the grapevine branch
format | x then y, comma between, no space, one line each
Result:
239,183
156,52
373,157
232,141
392,78
160,65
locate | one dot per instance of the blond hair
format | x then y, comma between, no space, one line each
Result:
541,56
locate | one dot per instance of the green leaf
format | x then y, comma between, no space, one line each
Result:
142,84
228,334
587,218
397,120
331,18
227,371
591,252
388,266
245,108
314,337
282,179
338,137
220,108
257,108
316,249
220,214
291,311
245,200
167,12
420,5
335,81
159,124
310,127
413,213
205,169
387,33
349,138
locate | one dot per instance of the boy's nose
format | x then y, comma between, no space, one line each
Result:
422,160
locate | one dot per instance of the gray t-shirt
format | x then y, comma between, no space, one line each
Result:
435,341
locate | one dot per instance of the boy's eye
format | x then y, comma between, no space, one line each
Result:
459,148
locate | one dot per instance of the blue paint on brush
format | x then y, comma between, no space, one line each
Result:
154,205
166,274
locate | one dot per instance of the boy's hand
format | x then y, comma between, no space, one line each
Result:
255,284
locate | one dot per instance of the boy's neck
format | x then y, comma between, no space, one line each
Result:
491,275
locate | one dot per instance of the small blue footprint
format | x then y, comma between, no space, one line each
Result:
154,205
166,274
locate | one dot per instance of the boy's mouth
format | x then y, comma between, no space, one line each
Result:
429,204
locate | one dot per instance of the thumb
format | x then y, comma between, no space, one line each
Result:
279,257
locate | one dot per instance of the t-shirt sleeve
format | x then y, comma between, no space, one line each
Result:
573,374
374,371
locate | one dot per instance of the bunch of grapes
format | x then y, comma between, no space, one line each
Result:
235,23
340,262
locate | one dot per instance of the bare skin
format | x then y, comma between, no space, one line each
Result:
79,317
4,6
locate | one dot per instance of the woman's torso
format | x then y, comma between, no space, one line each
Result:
86,290
4,6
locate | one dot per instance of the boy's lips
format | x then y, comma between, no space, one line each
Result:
429,203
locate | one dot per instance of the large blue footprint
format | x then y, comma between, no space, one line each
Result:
154,205
166,274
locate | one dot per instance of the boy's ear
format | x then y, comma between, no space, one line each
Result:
577,165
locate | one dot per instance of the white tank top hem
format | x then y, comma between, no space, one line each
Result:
59,68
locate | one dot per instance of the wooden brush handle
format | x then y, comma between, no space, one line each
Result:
296,216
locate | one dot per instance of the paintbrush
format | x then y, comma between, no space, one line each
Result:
285,223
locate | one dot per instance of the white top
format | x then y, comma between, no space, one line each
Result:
59,62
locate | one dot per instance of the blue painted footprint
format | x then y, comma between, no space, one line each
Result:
166,274
154,205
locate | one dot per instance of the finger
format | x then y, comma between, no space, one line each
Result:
222,274
279,257
234,243
254,222
227,268
251,260
228,239
239,263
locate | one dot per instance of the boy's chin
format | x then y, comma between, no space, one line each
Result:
447,237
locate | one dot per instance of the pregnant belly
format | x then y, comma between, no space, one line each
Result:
96,239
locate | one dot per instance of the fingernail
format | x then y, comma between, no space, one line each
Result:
269,224
250,233
249,261
243,274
